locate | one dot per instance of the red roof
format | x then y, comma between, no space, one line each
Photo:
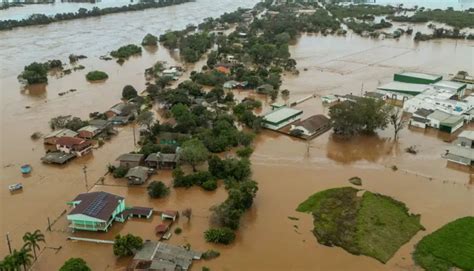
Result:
162,228
69,141
223,69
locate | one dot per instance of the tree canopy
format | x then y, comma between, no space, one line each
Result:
75,264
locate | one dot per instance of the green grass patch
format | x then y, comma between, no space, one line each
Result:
450,246
374,225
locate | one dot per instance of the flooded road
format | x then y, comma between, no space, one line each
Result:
288,170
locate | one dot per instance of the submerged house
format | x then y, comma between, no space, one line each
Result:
312,126
95,211
163,256
121,113
137,175
462,151
89,131
279,118
73,145
53,136
130,160
163,160
420,118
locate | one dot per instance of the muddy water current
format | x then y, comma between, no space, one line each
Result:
288,170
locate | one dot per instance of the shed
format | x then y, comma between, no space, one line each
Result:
137,175
279,118
169,214
416,78
466,139
162,228
460,155
130,160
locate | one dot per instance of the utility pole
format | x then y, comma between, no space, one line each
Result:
134,138
84,169
9,245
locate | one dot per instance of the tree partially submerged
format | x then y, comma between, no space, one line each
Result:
127,245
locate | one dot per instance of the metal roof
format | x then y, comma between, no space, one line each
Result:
61,133
130,157
100,205
404,87
420,75
467,134
438,115
449,84
281,114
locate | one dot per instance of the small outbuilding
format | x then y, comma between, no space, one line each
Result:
137,175
169,214
130,160
57,157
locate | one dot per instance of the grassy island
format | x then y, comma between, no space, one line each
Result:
450,246
372,224
96,76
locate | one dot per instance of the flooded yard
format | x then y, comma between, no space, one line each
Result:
288,170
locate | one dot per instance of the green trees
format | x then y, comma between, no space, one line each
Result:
22,258
127,245
32,240
126,51
201,178
192,47
69,122
219,235
120,172
96,76
157,189
75,264
145,118
150,40
35,73
363,116
193,152
129,92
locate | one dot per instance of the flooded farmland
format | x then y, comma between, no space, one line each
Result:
287,170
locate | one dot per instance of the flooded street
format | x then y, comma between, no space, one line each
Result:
287,170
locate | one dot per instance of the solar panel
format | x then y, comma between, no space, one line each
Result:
96,205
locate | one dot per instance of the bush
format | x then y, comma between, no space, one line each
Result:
75,264
35,73
129,92
126,51
201,178
244,152
96,76
120,172
127,245
178,230
210,254
210,185
150,40
219,235
157,189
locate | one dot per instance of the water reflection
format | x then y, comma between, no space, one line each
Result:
364,147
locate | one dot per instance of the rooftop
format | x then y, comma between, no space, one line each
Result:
439,115
421,75
130,157
61,132
89,128
423,112
462,152
467,134
281,114
404,87
313,123
163,254
70,141
449,84
138,172
57,157
99,205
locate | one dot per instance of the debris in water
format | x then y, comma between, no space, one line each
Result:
355,181
412,149
36,135
293,218
394,168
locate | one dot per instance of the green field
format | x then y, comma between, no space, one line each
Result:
448,247
372,224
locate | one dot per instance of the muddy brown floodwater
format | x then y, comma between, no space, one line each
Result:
287,170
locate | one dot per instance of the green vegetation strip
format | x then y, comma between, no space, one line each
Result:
448,247
374,225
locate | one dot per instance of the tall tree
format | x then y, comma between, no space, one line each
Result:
194,152
397,121
32,240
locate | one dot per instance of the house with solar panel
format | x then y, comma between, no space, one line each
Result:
95,211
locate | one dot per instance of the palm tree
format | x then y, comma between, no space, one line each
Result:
32,240
24,257
10,262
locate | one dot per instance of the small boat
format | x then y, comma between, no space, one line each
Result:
15,187
25,169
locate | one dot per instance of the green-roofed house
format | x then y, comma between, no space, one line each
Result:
95,211
416,78
281,117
